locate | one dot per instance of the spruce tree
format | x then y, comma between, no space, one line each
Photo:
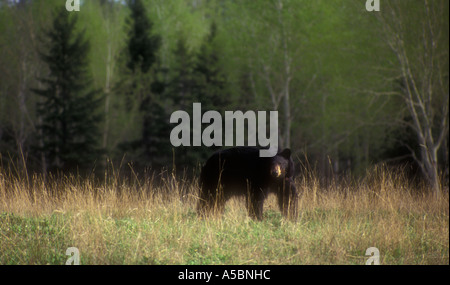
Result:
68,105
146,88
180,90
142,45
181,79
211,82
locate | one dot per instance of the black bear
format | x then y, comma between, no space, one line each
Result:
241,171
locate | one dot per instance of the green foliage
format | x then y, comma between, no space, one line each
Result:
142,46
209,86
69,104
210,80
143,89
20,245
153,57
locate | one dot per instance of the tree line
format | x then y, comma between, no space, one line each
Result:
353,88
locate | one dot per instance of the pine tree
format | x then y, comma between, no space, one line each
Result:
211,81
68,105
181,83
146,88
142,46
210,84
180,90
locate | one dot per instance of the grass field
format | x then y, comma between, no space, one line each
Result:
123,222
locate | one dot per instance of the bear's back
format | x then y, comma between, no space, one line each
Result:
236,167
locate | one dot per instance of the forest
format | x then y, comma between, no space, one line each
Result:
353,88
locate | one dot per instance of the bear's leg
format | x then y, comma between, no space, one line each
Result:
288,200
255,204
202,206
218,201
282,202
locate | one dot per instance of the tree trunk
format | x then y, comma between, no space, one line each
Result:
425,82
429,158
287,78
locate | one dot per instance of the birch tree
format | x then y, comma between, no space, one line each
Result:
417,33
270,37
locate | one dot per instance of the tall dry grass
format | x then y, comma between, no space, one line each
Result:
115,221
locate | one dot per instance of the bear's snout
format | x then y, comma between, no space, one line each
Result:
276,171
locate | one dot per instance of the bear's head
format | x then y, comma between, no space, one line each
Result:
282,165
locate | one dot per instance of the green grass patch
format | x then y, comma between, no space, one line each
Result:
132,228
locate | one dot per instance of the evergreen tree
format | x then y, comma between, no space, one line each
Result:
139,55
142,46
155,128
181,82
146,88
180,90
197,77
210,87
68,105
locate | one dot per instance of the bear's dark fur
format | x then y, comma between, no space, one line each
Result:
240,171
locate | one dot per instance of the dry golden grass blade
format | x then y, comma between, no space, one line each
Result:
123,222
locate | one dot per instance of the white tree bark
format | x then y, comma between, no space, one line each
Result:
425,81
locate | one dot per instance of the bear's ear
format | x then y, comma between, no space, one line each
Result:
286,153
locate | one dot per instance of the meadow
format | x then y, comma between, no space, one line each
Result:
138,221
